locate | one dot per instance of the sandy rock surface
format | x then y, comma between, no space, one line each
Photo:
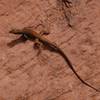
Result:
74,27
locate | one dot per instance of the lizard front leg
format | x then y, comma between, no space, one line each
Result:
44,33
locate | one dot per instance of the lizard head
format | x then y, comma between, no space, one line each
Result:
16,31
21,31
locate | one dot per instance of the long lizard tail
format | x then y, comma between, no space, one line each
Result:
72,68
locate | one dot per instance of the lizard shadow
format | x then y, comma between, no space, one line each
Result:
21,39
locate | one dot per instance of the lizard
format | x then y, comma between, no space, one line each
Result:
29,34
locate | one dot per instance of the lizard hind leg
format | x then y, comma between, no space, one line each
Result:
38,46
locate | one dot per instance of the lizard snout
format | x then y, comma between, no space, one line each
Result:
15,31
